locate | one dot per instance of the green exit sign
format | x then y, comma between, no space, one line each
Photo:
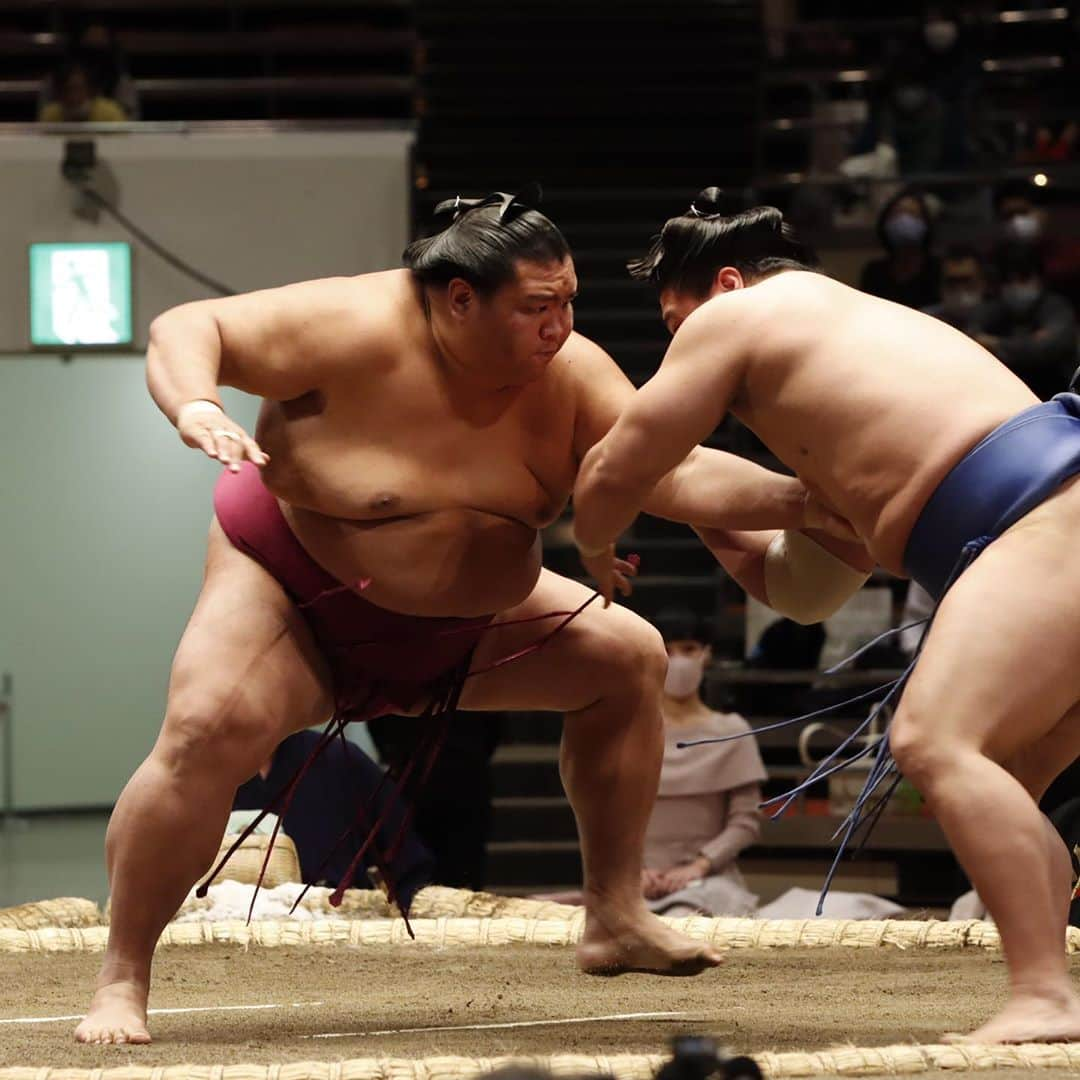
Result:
80,295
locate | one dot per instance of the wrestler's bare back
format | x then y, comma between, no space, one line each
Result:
388,471
869,402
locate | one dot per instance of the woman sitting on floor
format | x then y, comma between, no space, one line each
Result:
706,810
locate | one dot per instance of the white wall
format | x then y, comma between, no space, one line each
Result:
251,210
103,512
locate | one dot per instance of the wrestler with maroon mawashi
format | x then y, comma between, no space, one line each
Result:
376,549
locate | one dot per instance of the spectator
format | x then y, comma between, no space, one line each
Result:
908,273
963,288
78,99
453,806
99,50
706,810
1028,328
95,47
1023,220
911,116
927,109
341,780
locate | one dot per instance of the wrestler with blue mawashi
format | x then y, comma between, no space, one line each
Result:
950,472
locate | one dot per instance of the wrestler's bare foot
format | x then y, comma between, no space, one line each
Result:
636,940
1030,1018
117,1014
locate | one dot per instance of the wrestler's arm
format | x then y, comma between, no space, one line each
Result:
272,343
708,488
657,429
275,343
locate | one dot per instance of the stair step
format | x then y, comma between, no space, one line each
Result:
532,819
525,863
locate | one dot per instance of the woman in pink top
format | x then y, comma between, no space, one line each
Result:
706,809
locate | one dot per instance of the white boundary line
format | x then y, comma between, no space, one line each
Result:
616,1017
165,1012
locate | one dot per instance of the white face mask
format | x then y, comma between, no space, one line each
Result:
1024,226
905,230
684,675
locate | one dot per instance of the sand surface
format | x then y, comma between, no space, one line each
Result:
758,1001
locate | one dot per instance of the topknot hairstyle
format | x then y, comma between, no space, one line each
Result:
714,233
485,238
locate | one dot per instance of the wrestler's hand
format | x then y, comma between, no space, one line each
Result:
611,573
206,428
816,515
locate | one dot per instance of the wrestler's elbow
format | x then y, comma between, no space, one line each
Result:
603,475
183,329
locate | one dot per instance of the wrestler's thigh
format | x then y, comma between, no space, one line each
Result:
603,651
1000,665
247,669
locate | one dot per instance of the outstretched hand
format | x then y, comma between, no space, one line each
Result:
203,426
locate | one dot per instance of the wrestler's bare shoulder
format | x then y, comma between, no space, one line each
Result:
794,301
323,325
586,380
781,301
581,360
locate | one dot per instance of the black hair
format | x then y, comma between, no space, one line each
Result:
912,191
68,66
692,247
1016,188
485,239
680,624
1019,260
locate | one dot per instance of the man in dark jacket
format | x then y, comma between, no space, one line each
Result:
1028,328
342,778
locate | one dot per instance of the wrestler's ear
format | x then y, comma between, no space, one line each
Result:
460,297
727,279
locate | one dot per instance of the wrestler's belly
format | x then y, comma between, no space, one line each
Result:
884,504
459,562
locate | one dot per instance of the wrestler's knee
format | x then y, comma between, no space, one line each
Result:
631,657
203,734
920,753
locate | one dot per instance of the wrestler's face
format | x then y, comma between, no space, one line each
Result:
515,332
676,306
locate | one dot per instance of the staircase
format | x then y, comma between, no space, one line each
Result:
622,111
